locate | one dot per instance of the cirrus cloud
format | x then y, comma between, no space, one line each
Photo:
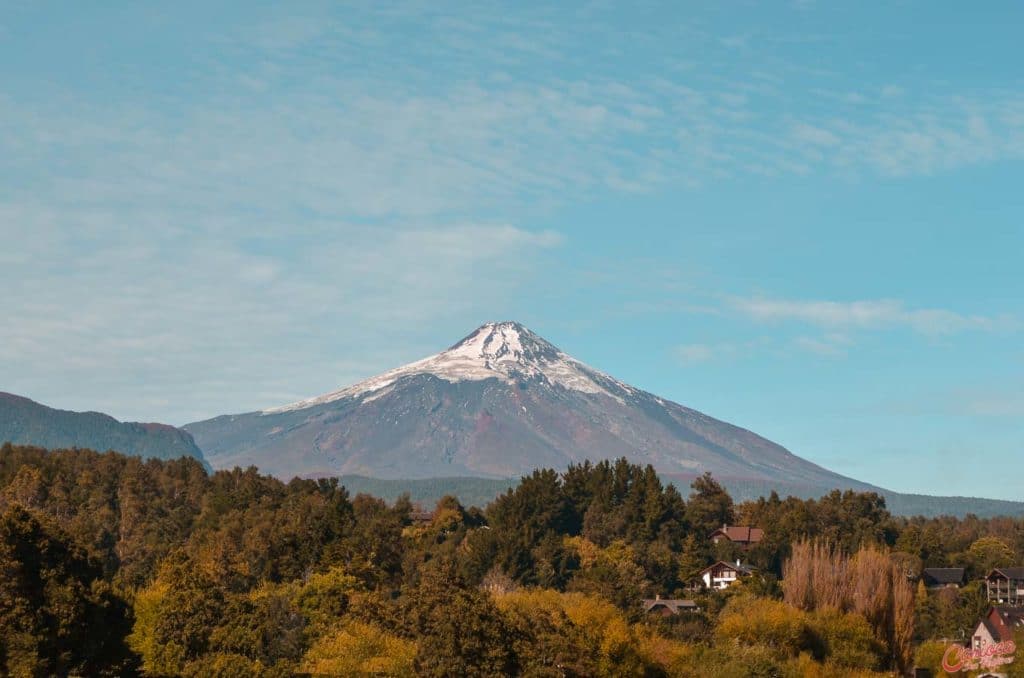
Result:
867,314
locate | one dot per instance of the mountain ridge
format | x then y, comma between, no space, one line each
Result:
24,421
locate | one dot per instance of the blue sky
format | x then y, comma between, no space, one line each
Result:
802,218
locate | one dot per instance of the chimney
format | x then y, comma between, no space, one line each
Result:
737,562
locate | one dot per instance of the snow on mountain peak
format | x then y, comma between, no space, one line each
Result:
504,342
505,350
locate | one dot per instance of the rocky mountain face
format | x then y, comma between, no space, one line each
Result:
26,422
498,404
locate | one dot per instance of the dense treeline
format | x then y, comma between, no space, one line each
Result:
116,565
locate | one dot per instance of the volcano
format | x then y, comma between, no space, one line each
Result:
498,404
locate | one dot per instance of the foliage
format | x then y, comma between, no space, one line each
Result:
928,655
819,577
157,566
56,615
359,649
710,506
758,621
459,630
578,634
846,640
988,553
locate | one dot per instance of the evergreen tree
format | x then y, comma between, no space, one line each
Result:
57,617
459,630
710,506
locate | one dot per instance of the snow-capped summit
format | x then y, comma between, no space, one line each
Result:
506,350
506,341
499,403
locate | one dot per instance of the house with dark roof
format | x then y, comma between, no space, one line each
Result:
1005,585
741,535
667,607
722,575
419,516
944,577
997,626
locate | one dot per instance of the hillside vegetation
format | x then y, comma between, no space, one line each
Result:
482,491
119,566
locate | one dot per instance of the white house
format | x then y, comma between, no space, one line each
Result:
722,575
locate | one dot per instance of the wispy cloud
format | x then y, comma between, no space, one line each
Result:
722,351
832,344
868,314
323,178
694,354
1000,399
1009,405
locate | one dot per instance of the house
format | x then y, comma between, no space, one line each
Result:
743,536
420,516
944,577
667,607
997,626
1005,585
722,575
991,646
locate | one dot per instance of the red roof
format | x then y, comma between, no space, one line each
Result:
1001,621
742,534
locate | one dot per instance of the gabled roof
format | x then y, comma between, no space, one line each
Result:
742,569
1007,573
1011,616
1001,621
674,604
995,630
936,576
740,533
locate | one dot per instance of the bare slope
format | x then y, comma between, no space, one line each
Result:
499,403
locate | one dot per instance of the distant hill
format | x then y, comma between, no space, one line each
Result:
26,422
481,491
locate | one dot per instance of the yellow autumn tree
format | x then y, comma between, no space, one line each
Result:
762,621
360,649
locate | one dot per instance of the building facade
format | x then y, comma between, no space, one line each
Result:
1005,586
722,575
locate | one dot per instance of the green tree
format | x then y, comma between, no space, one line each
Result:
524,517
175,616
693,558
57,617
988,553
846,640
459,630
709,507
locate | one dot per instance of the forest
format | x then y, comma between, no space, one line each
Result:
115,565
